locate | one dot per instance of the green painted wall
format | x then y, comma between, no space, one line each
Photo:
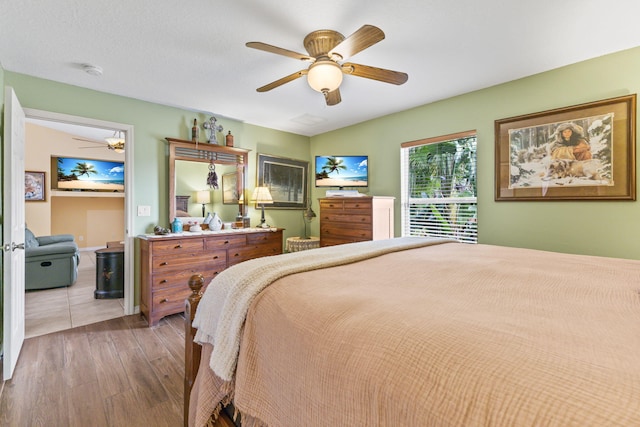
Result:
585,227
607,228
152,123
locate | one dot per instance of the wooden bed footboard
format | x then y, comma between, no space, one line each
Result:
192,350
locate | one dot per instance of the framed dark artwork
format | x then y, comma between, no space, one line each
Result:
34,186
230,189
286,180
582,152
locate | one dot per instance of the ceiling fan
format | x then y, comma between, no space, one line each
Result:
327,49
115,142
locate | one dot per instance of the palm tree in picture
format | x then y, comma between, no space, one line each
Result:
333,165
84,169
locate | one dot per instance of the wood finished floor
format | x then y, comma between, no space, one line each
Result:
117,372
51,310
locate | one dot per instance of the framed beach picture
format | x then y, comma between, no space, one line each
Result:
34,186
582,152
286,179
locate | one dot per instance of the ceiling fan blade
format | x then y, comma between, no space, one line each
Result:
89,140
365,36
282,81
374,73
279,51
333,98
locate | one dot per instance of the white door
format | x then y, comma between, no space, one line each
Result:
13,232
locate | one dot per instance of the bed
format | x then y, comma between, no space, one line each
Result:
417,331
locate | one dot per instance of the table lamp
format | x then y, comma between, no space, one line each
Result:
261,196
203,197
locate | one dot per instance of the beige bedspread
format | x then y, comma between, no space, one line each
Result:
222,311
446,335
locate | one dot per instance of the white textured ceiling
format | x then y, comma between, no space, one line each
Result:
193,55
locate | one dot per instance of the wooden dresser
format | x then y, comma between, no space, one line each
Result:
355,219
167,263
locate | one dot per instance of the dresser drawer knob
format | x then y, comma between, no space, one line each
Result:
178,247
226,242
236,254
215,257
163,300
164,263
163,281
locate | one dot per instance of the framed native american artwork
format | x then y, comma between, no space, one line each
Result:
583,152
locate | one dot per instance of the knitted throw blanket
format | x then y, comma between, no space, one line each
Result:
221,313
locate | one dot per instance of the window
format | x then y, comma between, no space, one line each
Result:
439,187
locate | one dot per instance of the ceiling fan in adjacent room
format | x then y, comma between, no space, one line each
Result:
327,49
115,142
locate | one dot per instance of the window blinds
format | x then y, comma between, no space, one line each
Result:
439,187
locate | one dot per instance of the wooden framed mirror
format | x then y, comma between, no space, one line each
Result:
196,158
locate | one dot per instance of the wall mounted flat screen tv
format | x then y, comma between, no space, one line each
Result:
342,171
82,174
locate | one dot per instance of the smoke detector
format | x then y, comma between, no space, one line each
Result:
93,70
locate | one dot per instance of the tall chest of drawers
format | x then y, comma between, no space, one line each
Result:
355,219
167,263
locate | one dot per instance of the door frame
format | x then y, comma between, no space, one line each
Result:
129,244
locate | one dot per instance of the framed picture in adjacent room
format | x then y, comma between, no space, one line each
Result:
34,186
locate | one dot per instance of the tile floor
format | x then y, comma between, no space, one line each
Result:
52,310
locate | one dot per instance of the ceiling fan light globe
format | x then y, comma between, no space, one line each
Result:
324,76
116,144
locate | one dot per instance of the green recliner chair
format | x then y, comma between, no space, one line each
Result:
50,261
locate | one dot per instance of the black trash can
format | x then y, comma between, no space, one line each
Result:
109,273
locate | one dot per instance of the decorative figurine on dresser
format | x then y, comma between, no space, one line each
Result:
355,219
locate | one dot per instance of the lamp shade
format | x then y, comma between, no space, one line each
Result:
262,196
324,76
308,214
203,197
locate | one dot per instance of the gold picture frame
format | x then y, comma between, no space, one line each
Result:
582,152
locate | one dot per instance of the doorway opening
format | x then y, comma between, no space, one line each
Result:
85,139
